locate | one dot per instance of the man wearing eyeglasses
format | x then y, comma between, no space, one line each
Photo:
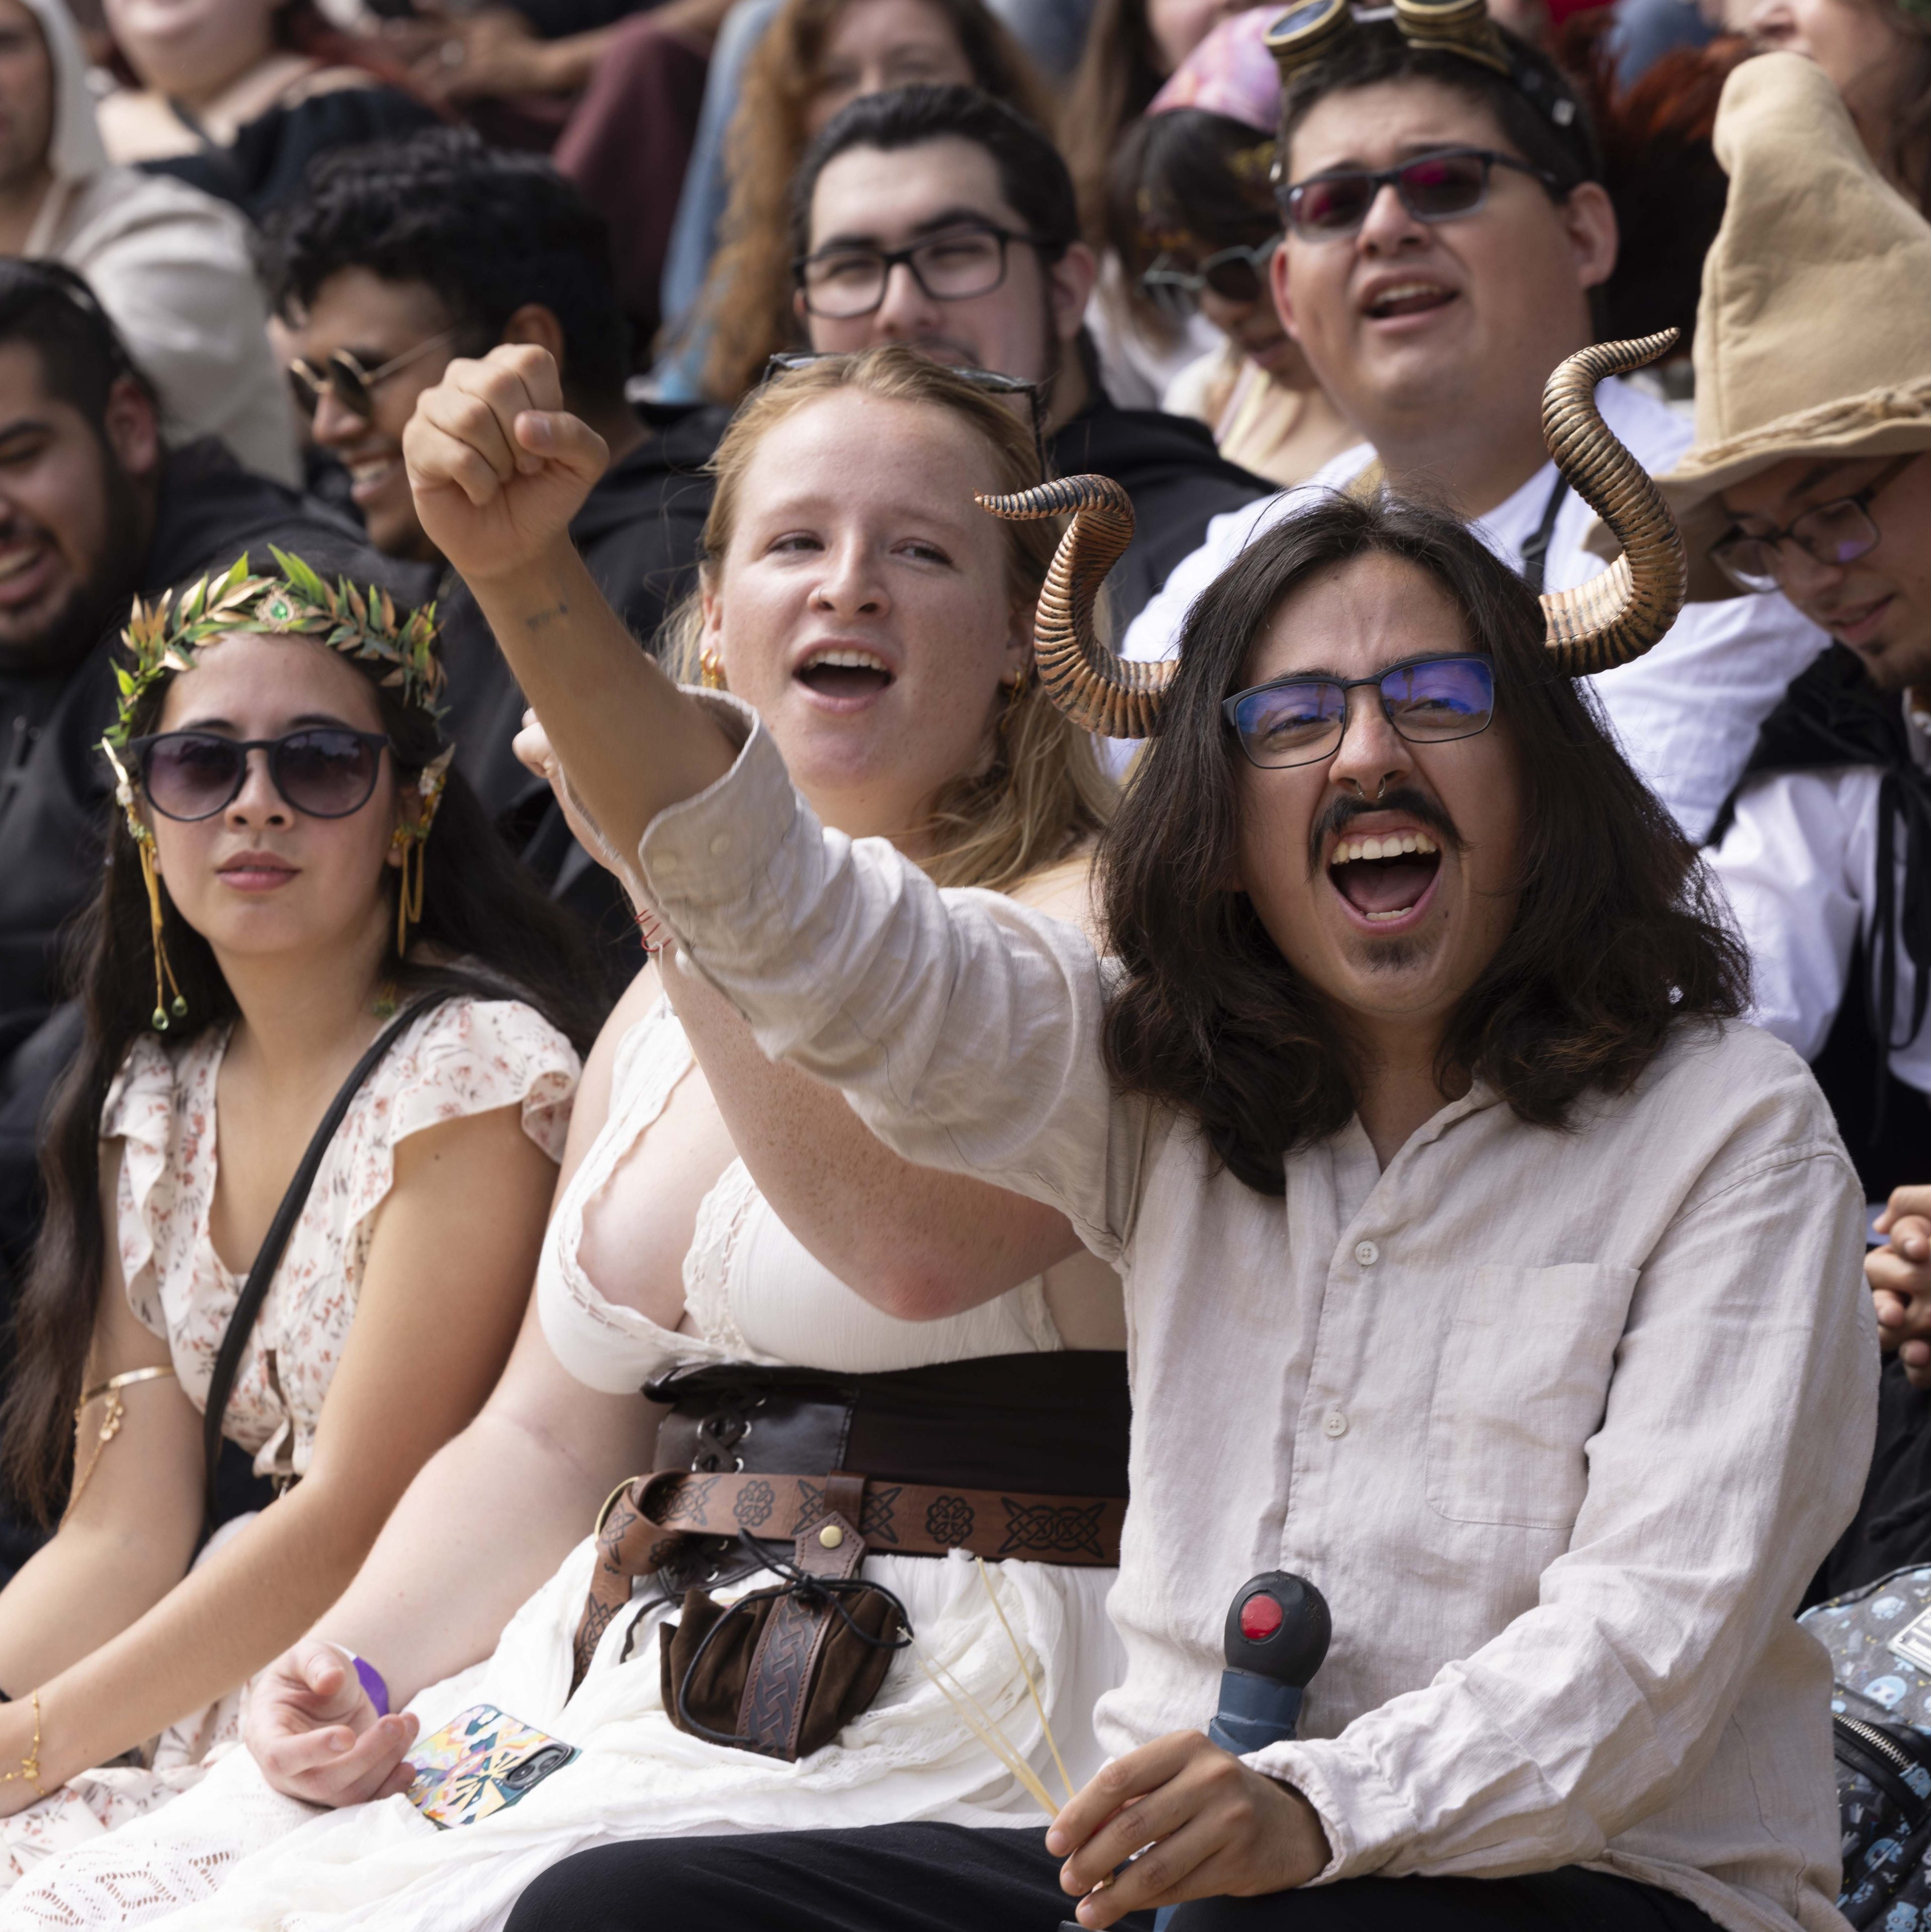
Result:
1446,227
1811,474
938,217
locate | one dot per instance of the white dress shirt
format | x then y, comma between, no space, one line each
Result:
1799,867
1560,1423
1686,713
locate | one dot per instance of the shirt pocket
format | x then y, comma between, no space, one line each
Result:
1521,1386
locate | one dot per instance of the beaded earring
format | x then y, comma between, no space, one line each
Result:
143,837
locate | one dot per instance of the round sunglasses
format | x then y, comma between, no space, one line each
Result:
1299,721
1235,275
344,378
1432,187
324,771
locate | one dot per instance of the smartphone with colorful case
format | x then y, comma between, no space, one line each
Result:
482,1760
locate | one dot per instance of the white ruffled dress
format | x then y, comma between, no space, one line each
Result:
236,1855
468,1057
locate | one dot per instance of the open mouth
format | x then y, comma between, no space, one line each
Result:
366,475
842,672
1406,298
1385,879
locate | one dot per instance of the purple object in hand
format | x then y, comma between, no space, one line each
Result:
372,1683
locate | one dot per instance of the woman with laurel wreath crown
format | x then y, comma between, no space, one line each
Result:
294,873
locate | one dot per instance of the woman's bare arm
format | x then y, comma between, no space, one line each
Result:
498,467
449,1266
483,1526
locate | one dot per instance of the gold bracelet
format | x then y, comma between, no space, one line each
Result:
30,1765
110,1422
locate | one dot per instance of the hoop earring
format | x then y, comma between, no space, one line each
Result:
1015,692
711,671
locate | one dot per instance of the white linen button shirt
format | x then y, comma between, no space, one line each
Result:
1560,1423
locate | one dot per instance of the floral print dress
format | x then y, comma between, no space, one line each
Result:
467,1057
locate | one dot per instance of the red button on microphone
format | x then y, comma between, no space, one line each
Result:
1260,1617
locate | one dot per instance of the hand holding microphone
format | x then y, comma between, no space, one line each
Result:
1208,1825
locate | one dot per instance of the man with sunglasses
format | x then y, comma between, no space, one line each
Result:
403,256
1445,227
1811,474
93,510
938,218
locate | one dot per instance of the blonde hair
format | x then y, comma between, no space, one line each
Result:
1039,794
746,302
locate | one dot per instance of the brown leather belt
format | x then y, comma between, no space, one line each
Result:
647,1519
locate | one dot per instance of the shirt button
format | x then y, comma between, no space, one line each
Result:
1366,1253
721,844
1335,1422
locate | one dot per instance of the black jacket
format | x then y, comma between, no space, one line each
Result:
1833,715
1178,480
55,792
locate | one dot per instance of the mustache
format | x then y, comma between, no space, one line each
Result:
1343,812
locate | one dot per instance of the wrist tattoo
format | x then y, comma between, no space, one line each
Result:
537,619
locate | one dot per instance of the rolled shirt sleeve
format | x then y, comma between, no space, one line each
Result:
964,1029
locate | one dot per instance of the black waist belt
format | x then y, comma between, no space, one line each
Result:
1007,1456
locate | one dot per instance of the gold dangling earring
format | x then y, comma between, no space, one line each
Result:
412,841
144,848
711,671
1015,692
144,844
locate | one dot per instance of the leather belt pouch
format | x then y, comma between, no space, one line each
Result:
782,1671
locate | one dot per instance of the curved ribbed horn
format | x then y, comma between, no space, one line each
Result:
1097,690
1619,612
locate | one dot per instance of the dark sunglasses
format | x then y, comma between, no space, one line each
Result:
1299,721
786,360
352,386
326,771
1432,187
1833,533
1235,275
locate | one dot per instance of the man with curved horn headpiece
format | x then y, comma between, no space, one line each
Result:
1480,1267
1447,235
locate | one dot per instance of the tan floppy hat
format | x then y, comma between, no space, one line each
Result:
1813,335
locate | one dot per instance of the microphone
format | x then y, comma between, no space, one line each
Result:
1277,1637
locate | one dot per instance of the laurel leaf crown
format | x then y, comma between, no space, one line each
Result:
163,637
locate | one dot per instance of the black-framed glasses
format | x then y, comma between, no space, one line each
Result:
786,360
1433,188
1833,534
1299,721
847,280
325,771
1235,275
352,386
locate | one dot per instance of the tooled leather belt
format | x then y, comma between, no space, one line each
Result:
1008,1456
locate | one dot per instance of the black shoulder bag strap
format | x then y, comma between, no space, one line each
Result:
267,1257
1535,552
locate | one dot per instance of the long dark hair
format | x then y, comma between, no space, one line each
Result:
1616,938
485,922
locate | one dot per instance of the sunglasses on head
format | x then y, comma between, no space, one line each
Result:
324,771
352,386
1300,721
1235,275
786,360
1432,187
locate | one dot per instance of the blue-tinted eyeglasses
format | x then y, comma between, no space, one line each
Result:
1299,721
